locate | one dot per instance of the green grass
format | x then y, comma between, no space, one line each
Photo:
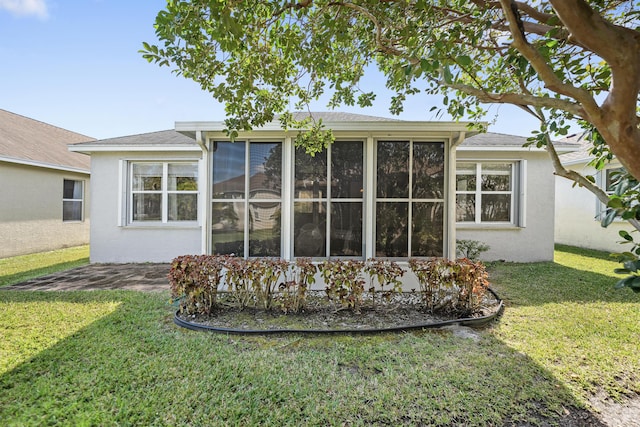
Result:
25,267
116,358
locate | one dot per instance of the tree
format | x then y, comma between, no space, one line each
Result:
560,60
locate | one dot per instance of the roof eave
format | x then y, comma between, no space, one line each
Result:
189,128
87,149
44,165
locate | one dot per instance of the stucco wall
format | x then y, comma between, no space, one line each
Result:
576,221
31,210
534,241
115,243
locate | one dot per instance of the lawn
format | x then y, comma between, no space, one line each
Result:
116,358
25,267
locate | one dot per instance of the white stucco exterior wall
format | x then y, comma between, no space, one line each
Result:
533,241
31,210
113,240
576,213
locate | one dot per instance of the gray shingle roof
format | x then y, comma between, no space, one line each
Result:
492,139
580,155
163,137
22,138
337,116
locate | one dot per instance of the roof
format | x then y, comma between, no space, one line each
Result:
183,138
493,139
582,154
28,141
337,116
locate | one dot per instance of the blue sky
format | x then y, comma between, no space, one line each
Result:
75,64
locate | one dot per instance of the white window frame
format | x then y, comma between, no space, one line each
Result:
328,199
409,200
516,214
602,178
164,192
246,200
81,200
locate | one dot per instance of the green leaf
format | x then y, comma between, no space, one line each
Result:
464,60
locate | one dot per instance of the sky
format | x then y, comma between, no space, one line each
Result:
76,65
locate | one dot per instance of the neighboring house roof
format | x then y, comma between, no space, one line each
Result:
582,154
28,141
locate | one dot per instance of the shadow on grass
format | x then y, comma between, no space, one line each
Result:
134,367
12,279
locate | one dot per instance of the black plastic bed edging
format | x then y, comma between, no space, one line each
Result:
474,322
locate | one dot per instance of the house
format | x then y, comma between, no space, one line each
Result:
578,211
385,188
44,189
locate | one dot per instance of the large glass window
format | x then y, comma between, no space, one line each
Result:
409,199
163,192
247,200
328,201
485,192
72,200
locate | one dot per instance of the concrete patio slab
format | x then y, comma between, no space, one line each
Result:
93,277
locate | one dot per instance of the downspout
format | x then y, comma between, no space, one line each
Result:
451,199
205,190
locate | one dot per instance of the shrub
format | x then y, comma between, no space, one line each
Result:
386,273
293,292
344,282
450,286
194,282
263,275
470,249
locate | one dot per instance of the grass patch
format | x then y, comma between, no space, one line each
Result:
568,318
24,267
119,360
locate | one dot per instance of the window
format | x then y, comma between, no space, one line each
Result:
328,201
163,192
72,200
485,192
610,178
247,202
409,199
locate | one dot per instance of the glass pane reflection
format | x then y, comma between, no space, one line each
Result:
309,229
427,229
228,170
227,227
392,229
346,170
393,169
346,229
264,229
265,170
428,170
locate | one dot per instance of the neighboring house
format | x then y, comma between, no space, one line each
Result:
385,188
45,188
578,211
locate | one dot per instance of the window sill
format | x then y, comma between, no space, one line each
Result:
460,226
162,226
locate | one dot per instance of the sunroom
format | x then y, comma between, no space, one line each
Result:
380,190
385,188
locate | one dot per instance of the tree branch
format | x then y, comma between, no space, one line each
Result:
573,108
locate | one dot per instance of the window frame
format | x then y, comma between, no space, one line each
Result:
409,200
516,217
247,200
328,200
602,178
81,200
163,191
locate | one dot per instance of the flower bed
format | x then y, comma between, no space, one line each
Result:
223,291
